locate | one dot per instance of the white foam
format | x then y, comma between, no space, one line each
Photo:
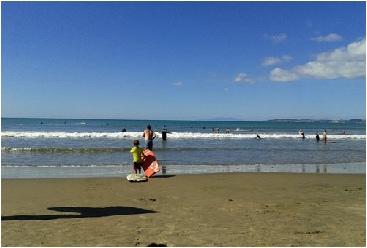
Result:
174,135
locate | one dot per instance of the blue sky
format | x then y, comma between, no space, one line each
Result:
183,60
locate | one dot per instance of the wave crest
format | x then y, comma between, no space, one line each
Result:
174,135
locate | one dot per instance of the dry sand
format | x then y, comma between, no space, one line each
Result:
225,209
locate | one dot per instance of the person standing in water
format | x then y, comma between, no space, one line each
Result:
149,136
317,136
324,134
164,133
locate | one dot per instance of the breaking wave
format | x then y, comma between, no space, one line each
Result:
174,135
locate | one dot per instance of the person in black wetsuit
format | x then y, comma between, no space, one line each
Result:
164,133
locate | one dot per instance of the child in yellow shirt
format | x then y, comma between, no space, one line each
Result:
137,151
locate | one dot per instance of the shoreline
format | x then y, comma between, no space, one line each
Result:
124,170
218,209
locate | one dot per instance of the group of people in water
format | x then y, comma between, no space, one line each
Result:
324,135
218,130
149,135
137,152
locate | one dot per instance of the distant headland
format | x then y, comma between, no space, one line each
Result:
320,120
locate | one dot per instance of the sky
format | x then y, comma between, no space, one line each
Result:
183,60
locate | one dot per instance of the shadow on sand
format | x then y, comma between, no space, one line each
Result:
162,176
84,212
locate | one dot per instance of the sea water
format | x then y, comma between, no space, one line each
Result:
97,148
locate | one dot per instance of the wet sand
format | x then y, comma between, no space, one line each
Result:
224,209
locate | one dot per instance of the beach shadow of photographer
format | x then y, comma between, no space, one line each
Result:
84,212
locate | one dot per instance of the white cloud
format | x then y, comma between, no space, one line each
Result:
177,83
271,61
281,75
275,60
344,62
240,76
276,38
329,37
287,58
243,77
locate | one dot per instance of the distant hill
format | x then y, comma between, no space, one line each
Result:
320,120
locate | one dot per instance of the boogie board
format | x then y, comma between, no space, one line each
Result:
328,141
150,163
137,178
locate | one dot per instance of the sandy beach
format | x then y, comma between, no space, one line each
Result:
224,209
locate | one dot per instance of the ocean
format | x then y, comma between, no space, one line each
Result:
48,148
